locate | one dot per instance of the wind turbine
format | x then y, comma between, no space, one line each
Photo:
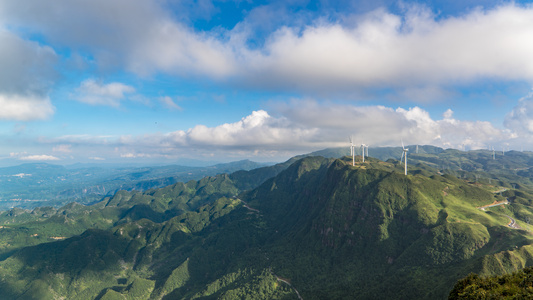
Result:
352,151
404,153
363,151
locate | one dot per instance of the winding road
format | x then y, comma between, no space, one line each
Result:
248,207
512,224
287,282
494,204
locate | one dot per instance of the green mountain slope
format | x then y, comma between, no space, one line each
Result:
320,227
353,225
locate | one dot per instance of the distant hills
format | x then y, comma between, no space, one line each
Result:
40,184
314,226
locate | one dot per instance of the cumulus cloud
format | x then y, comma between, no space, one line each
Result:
384,126
415,52
301,126
25,107
141,36
520,119
97,93
451,133
27,67
384,49
25,78
256,130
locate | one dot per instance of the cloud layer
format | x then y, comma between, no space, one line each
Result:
380,49
301,126
414,54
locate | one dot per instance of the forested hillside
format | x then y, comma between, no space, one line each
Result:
313,227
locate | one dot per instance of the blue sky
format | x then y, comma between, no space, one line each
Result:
170,80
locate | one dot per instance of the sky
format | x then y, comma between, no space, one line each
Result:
166,81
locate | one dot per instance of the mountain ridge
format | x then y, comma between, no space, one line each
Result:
329,228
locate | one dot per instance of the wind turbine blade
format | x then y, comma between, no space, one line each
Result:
403,147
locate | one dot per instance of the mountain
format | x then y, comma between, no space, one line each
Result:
24,227
313,226
39,184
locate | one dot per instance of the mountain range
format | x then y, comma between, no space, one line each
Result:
314,227
40,184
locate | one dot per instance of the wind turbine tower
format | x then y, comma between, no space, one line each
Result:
352,151
363,151
404,154
493,154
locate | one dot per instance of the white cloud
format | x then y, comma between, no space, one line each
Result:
25,77
299,127
169,103
135,155
451,133
27,67
42,157
415,53
97,93
141,36
383,50
25,108
62,148
383,126
256,130
520,119
79,141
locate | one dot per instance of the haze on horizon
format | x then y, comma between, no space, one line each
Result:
162,81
